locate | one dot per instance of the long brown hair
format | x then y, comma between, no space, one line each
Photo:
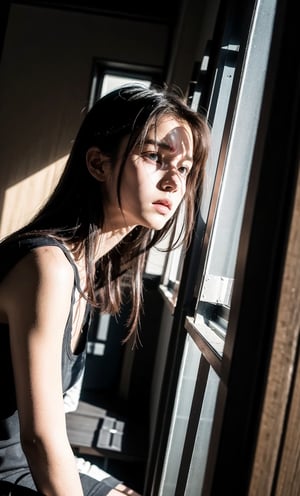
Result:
74,212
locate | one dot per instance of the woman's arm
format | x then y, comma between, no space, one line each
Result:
38,297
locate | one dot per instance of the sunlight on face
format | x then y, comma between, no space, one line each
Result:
172,150
153,181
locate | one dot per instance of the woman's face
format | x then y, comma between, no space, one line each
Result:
154,177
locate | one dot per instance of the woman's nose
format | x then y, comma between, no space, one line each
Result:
169,181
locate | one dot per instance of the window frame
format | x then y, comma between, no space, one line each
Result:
242,352
101,67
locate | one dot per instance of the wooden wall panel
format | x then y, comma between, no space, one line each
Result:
45,76
281,411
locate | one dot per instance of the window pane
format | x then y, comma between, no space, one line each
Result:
111,82
198,463
175,259
218,278
181,412
218,108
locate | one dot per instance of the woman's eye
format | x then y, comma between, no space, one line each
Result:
153,156
183,170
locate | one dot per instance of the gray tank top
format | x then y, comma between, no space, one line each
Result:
12,457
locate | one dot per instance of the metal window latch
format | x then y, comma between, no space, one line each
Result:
217,290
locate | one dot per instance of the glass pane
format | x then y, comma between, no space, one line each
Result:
174,263
218,278
111,82
198,463
218,107
181,413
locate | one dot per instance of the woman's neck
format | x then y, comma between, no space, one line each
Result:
109,239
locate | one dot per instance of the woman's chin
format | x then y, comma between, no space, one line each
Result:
158,225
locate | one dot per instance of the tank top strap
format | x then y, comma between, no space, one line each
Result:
15,248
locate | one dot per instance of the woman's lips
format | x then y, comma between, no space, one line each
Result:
163,206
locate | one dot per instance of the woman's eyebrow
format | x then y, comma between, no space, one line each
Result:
160,144
165,146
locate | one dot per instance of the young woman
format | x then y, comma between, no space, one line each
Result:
138,156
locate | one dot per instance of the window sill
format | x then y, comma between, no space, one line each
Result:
210,344
170,297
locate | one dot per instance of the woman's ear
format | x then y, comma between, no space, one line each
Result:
98,164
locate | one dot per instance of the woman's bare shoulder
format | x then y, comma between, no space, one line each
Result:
45,261
50,259
42,267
